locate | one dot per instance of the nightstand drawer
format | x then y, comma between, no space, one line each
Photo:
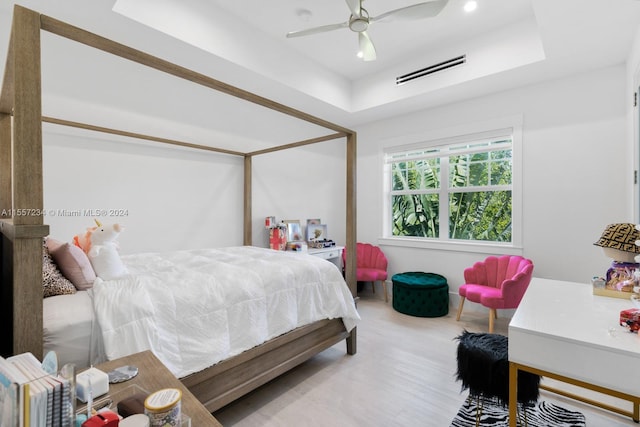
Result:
328,255
333,254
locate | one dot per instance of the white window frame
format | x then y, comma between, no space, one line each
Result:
449,136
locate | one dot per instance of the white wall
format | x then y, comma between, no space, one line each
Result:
301,183
174,198
177,198
577,178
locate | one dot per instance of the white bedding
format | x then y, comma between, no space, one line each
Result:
71,331
196,308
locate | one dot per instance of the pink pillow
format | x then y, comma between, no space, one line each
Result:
73,263
53,281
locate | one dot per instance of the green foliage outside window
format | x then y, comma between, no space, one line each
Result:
416,216
478,191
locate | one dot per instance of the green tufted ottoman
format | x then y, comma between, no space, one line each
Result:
420,294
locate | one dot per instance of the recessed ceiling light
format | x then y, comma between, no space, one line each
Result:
470,6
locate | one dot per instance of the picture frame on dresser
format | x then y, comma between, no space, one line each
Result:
316,232
294,230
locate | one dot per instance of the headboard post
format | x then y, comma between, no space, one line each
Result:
21,153
22,302
6,200
27,119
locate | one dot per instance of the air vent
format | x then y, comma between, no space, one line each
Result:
453,62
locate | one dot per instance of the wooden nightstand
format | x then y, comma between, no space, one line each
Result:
153,376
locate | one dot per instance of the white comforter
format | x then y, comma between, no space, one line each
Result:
196,308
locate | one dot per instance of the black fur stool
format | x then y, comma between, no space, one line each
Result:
483,368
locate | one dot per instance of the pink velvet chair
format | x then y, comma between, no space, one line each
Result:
496,282
371,265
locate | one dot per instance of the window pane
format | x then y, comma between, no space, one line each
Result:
415,175
501,167
484,215
469,170
480,169
478,173
415,215
458,171
398,176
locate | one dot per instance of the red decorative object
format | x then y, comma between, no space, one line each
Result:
278,238
270,221
630,319
103,419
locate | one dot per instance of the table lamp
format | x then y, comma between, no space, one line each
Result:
618,242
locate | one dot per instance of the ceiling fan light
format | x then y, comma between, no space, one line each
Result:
304,14
358,25
470,6
360,54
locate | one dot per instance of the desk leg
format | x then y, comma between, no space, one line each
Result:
636,411
513,394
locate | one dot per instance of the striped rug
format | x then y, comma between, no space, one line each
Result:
542,414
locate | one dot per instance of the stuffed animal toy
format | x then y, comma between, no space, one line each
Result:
102,249
83,241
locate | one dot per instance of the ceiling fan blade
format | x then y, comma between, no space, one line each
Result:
417,11
354,7
316,30
367,49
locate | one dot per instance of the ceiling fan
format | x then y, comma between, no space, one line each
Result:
360,20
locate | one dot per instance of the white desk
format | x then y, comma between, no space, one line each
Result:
562,331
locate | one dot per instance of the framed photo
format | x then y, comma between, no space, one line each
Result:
316,232
313,221
294,231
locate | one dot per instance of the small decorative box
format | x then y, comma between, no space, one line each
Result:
630,319
93,381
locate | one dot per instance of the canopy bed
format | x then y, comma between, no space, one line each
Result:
23,230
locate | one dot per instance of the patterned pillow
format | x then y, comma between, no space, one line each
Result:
53,282
72,263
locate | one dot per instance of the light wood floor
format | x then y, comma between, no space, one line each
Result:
402,375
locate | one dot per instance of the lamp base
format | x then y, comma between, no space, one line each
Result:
621,276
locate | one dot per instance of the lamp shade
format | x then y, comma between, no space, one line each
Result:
620,236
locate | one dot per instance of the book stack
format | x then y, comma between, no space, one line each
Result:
31,397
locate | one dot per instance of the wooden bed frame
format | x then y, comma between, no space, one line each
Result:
21,202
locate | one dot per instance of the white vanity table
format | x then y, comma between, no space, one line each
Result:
562,331
332,254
